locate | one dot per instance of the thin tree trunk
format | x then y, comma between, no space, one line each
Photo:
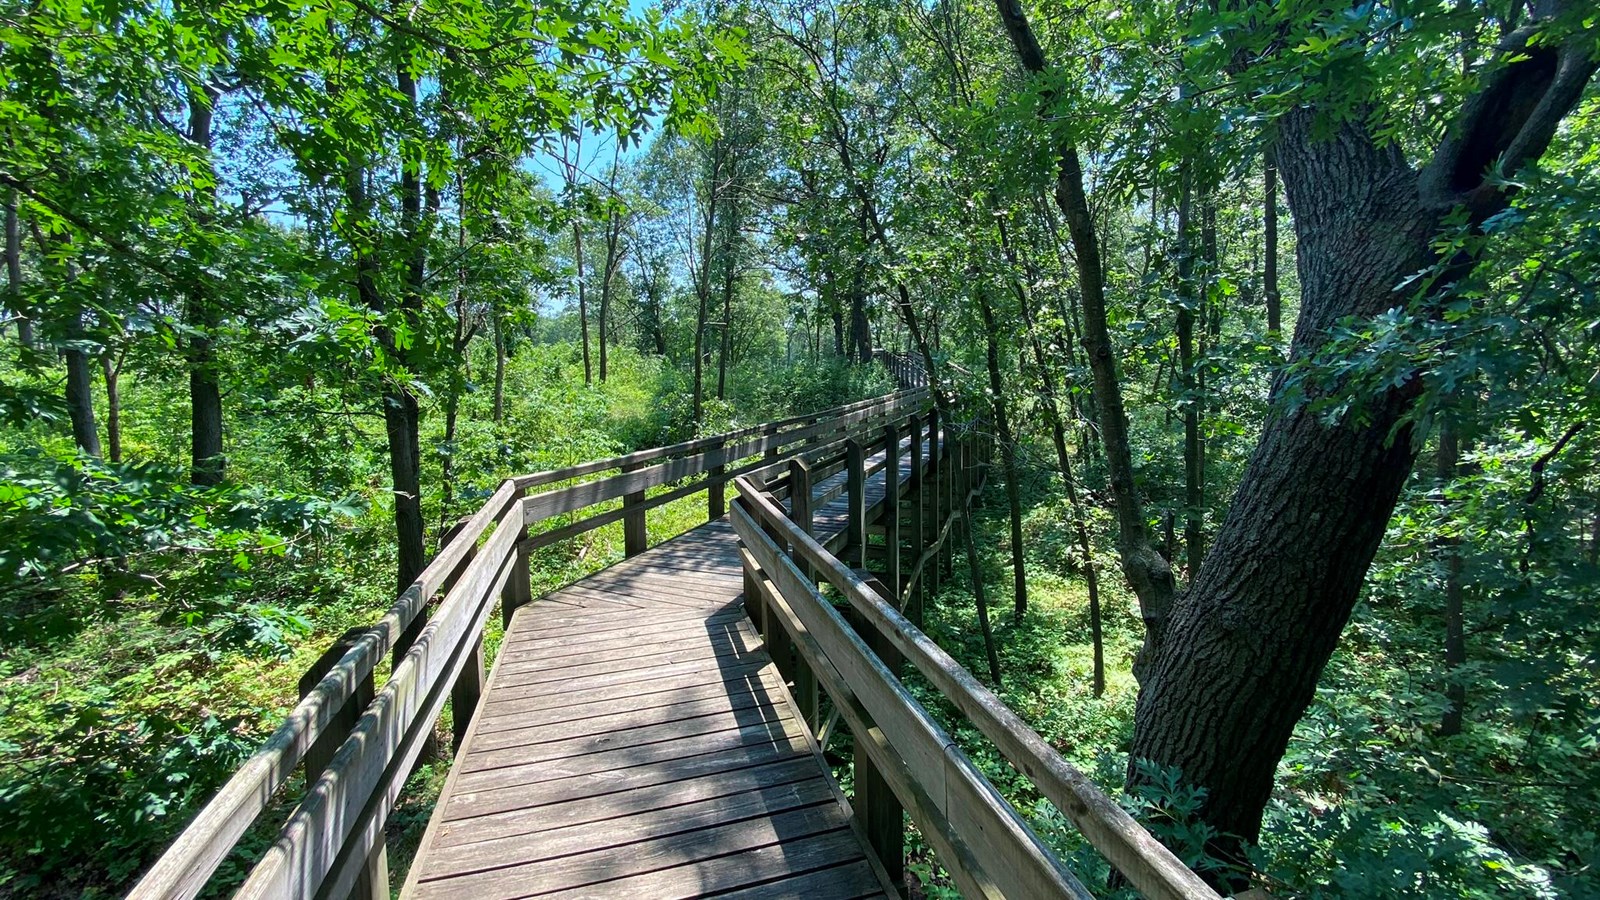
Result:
975,569
1147,572
499,367
1188,302
80,397
1050,403
208,465
730,277
1455,640
111,372
1008,455
14,273
583,301
1270,227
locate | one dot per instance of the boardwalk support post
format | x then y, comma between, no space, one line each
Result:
373,883
918,511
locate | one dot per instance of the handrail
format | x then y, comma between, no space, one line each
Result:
781,560
333,838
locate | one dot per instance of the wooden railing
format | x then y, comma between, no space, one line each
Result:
359,745
907,369
905,761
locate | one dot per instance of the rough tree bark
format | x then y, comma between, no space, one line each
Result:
1251,636
1188,302
1146,570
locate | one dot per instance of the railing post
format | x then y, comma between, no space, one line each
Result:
716,484
519,586
805,680
635,534
891,524
877,809
373,883
856,490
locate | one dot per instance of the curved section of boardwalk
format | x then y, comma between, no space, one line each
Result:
636,740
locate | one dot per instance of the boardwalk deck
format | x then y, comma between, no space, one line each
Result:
636,740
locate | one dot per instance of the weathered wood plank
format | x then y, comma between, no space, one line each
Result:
563,813
484,795
629,828
762,864
643,857
507,748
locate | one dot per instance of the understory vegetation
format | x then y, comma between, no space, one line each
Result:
1282,318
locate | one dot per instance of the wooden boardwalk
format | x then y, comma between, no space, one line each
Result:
635,740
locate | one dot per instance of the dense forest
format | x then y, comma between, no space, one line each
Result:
1283,315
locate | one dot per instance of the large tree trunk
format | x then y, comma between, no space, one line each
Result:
1246,644
1261,619
1008,455
207,465
860,328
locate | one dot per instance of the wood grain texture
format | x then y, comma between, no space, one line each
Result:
635,739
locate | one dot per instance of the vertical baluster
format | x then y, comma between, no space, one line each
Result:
891,522
855,488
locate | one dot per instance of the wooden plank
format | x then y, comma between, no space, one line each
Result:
558,654
531,731
541,697
621,631
186,866
644,658
758,866
484,796
563,813
619,832
851,881
507,749
652,856
510,771
499,716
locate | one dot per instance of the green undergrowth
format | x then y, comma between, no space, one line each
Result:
124,706
1370,801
